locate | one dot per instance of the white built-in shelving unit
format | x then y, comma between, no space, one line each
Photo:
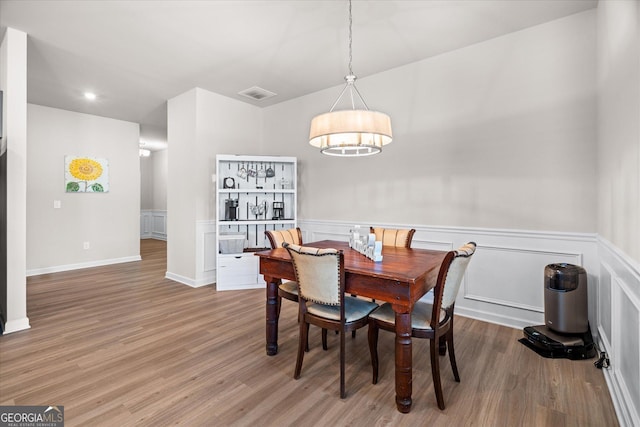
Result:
253,194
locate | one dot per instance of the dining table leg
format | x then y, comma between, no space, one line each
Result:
403,361
272,315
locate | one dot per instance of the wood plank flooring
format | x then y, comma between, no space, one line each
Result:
123,346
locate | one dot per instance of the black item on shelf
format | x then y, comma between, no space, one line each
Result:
278,210
230,210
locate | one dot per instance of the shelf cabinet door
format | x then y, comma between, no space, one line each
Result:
238,272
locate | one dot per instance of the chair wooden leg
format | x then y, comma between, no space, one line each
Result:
302,342
324,339
306,348
442,345
452,355
435,372
373,349
343,391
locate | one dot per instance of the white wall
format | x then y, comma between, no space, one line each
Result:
201,124
619,125
153,181
498,134
225,126
160,164
108,221
181,138
146,183
618,308
13,81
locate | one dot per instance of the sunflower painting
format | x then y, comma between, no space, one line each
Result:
86,175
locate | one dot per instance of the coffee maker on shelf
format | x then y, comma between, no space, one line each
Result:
230,210
278,211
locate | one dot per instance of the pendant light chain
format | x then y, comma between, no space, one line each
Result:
350,39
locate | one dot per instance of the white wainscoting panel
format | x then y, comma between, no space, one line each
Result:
153,224
205,253
618,311
504,283
516,275
159,224
145,224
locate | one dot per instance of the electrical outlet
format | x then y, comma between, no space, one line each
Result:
57,204
86,245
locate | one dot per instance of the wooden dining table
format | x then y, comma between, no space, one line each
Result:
402,277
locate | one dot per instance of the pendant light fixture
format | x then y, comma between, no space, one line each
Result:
350,133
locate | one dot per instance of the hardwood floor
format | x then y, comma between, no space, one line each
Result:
121,345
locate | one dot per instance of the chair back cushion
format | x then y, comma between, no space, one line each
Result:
318,273
456,272
394,237
278,237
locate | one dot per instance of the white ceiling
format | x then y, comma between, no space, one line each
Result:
135,55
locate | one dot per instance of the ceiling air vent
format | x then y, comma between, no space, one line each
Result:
256,93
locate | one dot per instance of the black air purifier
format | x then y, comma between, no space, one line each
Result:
566,330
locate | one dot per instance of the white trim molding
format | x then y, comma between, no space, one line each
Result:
185,280
16,325
78,266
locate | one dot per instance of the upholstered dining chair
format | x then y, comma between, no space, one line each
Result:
287,289
399,237
321,299
431,320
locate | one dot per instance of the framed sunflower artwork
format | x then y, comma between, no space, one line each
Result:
86,174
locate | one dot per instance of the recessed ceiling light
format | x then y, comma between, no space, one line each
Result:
90,96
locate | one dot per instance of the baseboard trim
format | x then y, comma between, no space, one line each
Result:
154,236
69,267
496,319
16,325
189,281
